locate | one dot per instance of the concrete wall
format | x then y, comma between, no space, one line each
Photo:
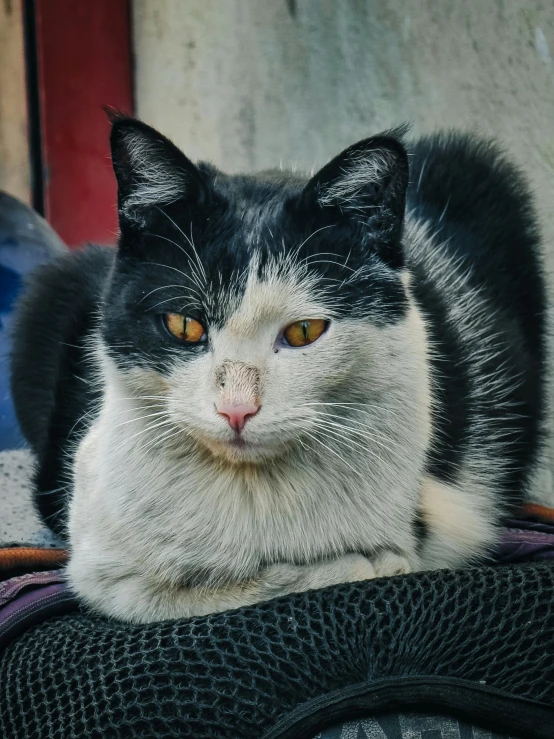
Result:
252,83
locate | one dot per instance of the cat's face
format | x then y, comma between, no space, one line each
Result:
257,314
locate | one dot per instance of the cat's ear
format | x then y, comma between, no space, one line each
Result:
151,171
367,183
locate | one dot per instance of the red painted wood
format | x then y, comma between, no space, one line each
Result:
84,60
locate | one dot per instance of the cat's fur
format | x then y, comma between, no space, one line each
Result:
397,441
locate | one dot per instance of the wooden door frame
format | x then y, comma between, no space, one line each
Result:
83,65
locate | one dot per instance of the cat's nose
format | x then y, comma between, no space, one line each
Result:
237,415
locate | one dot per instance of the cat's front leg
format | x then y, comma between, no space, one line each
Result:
131,597
283,579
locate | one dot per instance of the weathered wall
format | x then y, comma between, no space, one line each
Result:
14,149
250,83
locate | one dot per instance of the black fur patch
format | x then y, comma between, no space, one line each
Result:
50,374
478,205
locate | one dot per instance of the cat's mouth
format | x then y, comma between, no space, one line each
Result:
240,446
239,442
240,450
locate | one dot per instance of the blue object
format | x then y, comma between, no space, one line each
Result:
26,241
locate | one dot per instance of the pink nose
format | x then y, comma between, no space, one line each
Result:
237,415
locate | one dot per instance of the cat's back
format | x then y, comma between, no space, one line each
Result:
473,248
52,319
478,208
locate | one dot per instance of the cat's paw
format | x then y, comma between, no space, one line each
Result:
348,568
356,567
387,564
291,578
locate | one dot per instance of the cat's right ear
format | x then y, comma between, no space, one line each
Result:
151,172
366,184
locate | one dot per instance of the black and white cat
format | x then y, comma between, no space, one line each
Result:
278,383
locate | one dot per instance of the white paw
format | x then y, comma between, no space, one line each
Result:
388,564
357,567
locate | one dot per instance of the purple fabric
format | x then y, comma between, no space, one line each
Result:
11,588
525,541
29,599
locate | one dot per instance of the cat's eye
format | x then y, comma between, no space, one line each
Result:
305,332
184,328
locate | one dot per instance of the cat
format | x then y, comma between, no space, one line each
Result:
278,383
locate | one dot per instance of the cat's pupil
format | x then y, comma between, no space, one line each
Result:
305,325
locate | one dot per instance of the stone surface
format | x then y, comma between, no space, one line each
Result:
19,522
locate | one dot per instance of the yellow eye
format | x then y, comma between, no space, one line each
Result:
306,332
184,328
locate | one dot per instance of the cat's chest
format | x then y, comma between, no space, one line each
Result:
297,515
187,519
193,517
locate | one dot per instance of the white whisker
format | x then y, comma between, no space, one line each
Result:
201,266
341,439
198,278
166,287
318,441
140,418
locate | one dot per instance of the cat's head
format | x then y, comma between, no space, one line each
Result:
265,312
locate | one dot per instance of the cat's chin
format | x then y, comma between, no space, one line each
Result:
239,451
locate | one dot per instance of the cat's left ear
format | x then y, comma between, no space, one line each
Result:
367,183
151,171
